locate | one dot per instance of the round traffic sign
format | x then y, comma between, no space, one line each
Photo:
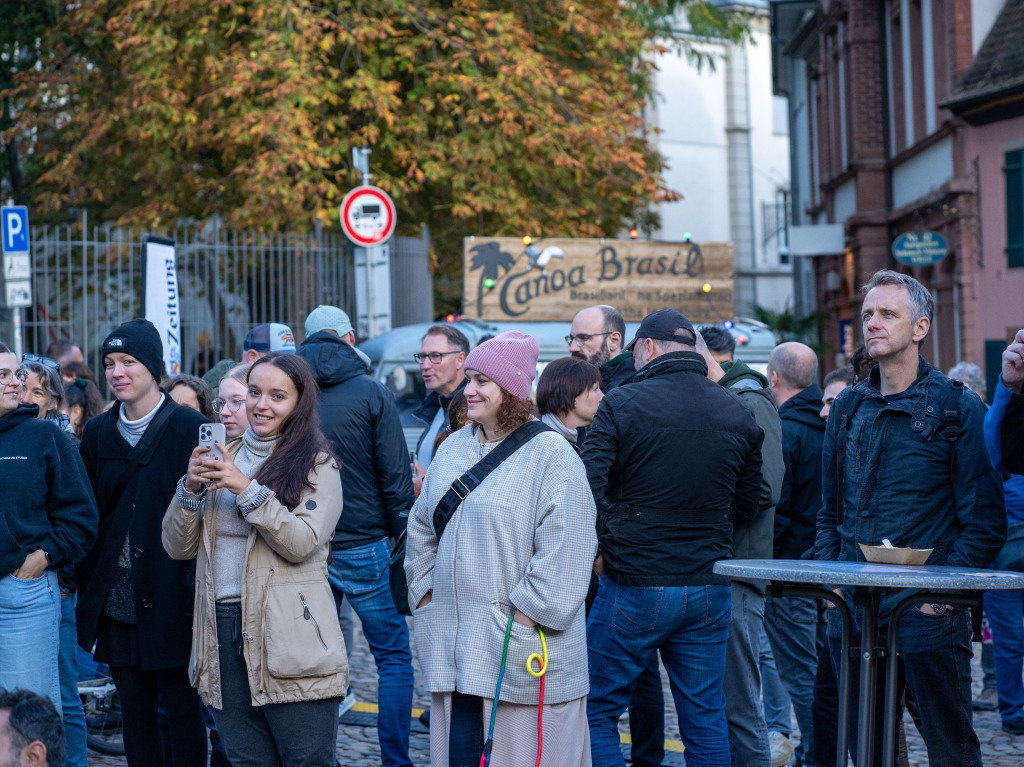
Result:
368,215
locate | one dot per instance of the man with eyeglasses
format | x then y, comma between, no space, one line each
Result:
597,335
442,352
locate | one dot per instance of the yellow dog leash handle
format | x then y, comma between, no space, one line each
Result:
541,657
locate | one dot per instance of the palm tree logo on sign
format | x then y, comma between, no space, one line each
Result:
492,262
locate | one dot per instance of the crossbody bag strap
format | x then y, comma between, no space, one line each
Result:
470,481
151,434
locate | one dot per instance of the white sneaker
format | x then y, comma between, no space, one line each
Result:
781,748
350,700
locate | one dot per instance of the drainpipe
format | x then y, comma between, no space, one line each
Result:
741,182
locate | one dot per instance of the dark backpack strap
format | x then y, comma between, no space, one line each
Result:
468,482
949,406
845,419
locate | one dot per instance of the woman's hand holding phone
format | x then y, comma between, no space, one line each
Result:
194,479
222,472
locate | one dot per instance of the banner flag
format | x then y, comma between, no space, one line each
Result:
160,304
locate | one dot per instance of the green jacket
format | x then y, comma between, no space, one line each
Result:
754,539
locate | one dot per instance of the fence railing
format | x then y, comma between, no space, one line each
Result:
87,280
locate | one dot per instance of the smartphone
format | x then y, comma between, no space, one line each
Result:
210,433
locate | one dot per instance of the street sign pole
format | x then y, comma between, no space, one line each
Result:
17,266
368,220
19,346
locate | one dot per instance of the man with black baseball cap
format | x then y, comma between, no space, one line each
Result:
673,459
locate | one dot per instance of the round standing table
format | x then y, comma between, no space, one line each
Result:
870,581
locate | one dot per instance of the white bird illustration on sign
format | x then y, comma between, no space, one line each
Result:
540,258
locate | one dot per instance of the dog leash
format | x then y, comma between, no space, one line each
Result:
542,659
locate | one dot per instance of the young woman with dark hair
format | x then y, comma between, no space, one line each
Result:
82,403
568,394
193,392
525,539
267,653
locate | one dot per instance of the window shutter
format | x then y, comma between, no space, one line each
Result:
1015,208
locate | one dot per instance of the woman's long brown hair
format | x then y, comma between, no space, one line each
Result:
301,443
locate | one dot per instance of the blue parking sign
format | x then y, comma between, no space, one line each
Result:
15,229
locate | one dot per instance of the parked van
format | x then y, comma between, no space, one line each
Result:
393,364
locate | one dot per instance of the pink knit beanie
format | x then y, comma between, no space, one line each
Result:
509,359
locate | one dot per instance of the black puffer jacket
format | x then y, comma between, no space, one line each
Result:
359,418
673,459
796,514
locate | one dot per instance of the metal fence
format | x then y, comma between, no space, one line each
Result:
87,280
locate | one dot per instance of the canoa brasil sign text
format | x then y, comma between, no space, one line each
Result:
920,248
557,277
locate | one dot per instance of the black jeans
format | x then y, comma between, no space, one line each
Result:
301,734
141,693
466,730
935,651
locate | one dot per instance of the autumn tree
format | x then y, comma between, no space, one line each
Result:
494,117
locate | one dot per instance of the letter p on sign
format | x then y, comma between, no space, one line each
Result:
15,229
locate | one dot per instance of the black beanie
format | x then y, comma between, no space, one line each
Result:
140,339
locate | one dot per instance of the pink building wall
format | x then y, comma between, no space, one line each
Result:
998,292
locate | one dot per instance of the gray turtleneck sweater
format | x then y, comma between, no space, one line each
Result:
231,537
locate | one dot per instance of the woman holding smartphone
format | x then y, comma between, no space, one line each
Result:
267,653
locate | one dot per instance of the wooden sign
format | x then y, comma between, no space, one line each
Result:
550,280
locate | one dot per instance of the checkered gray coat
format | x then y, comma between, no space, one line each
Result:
524,539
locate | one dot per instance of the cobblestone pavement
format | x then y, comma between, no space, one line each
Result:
357,745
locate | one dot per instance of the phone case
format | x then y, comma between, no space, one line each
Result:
209,433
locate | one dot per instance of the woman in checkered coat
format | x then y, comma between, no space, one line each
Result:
520,546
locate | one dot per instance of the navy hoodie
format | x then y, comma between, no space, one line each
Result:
796,514
47,502
359,418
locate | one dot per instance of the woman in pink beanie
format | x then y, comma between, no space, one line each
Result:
512,564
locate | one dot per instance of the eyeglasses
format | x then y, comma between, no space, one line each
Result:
434,357
227,406
582,338
45,361
8,376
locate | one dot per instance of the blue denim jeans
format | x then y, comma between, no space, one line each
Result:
361,576
30,631
935,651
67,661
689,625
1005,611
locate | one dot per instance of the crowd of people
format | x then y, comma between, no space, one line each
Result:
200,535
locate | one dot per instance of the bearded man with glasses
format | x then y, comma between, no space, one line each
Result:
597,335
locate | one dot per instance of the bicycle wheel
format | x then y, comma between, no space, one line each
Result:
104,728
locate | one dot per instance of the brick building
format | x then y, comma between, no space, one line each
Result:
889,135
